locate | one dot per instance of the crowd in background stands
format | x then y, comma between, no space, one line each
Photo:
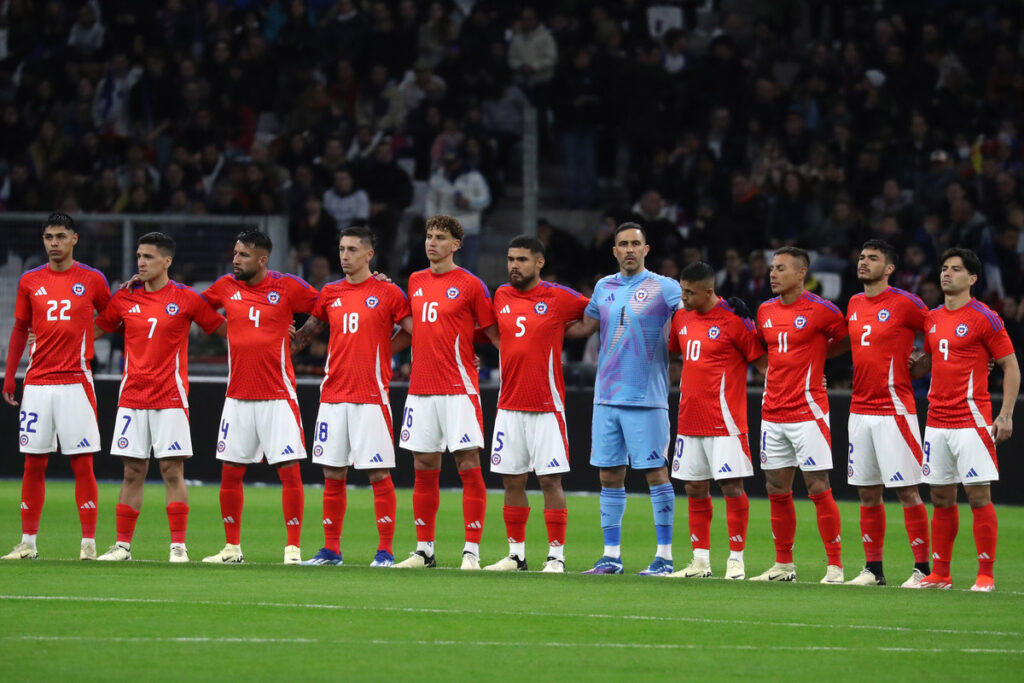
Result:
896,119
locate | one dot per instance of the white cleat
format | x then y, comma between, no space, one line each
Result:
22,551
833,574
780,571
553,566
470,562
229,554
866,578
292,554
417,560
88,551
512,563
698,569
915,579
735,571
179,553
119,552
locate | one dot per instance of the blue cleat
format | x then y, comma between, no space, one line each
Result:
325,556
660,567
606,565
383,559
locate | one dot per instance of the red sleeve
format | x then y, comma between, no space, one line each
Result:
109,318
304,295
401,308
203,315
101,296
482,310
927,337
758,326
834,324
673,334
571,304
997,341
16,347
917,313
320,307
747,340
212,296
23,304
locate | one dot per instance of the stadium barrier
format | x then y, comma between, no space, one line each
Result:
206,397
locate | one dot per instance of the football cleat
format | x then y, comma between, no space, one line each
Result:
780,571
553,566
606,565
984,584
325,556
659,567
866,578
915,579
470,562
119,552
229,554
512,563
698,569
833,574
735,571
22,551
179,553
383,559
934,580
417,560
88,551
292,554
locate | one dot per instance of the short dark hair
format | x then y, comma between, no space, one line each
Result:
630,226
255,239
698,272
971,261
364,234
61,220
527,242
881,245
797,253
446,223
162,242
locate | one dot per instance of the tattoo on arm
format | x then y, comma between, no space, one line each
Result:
313,327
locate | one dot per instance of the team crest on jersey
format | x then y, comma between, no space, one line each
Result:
172,308
221,446
884,315
24,439
122,442
640,295
452,293
961,329
713,332
372,301
273,297
496,459
540,308
318,450
78,289
800,322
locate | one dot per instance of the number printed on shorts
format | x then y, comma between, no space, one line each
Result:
321,432
679,446
407,417
127,421
497,438
224,425
28,421
58,310
927,451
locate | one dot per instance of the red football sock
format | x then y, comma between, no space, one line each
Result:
426,496
335,500
945,525
700,511
872,531
515,522
556,521
986,533
293,500
86,493
737,515
177,520
232,497
783,525
829,526
126,518
385,507
915,518
474,503
33,492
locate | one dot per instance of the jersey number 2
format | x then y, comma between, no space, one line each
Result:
52,312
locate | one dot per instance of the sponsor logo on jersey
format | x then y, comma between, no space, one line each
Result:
884,315
496,459
713,332
767,323
273,297
221,446
932,331
961,329
135,309
418,292
172,308
540,308
609,299
122,442
78,289
372,301
336,304
318,450
800,322
40,292
452,293
237,296
24,439
853,317
682,332
506,309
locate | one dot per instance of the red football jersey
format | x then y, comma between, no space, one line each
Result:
716,348
961,342
446,309
882,330
362,319
60,308
532,329
156,326
259,348
797,336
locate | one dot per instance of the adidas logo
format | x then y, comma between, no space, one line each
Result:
328,521
40,292
896,477
420,522
866,539
667,508
810,461
853,317
554,544
837,539
84,443
932,331
237,296
228,520
683,331
984,556
916,542
653,456
23,506
464,439
385,520
767,323
736,539
418,292
694,538
971,473
936,556
336,304
553,463
174,446
377,458
87,505
288,450
135,309
512,540
294,521
725,468
475,524
609,299
506,309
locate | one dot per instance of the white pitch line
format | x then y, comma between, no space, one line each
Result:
500,643
450,611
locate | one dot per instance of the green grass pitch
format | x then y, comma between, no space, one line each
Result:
148,620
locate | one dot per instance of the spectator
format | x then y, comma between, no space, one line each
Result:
389,190
460,191
86,37
344,202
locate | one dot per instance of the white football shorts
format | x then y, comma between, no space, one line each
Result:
64,412
354,434
884,449
529,442
165,432
807,445
252,430
699,458
959,456
432,424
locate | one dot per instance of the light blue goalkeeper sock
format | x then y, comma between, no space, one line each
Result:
663,502
613,506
